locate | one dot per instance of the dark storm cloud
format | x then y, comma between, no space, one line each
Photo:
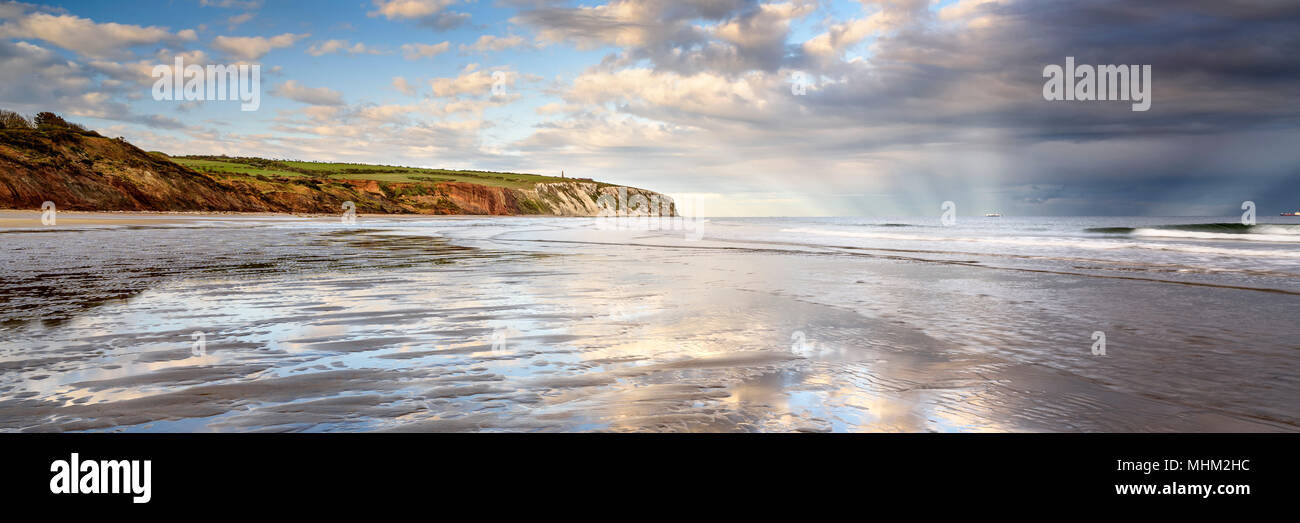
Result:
955,104
1215,68
1226,100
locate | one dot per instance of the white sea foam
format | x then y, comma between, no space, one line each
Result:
1032,241
1275,234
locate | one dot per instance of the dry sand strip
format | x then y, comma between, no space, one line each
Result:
20,218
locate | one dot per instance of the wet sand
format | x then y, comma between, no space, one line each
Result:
534,324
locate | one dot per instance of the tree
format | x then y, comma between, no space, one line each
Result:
47,119
12,120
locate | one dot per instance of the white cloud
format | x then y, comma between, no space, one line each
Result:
829,47
682,98
52,83
429,13
418,51
239,19
335,46
88,38
292,90
237,4
975,13
391,9
403,86
253,47
140,73
730,35
495,43
473,82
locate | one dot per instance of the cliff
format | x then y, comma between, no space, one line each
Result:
80,170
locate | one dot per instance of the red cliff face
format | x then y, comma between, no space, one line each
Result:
480,199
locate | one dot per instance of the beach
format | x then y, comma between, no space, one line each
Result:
239,323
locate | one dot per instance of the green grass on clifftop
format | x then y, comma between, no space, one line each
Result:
351,171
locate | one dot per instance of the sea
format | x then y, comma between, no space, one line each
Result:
116,322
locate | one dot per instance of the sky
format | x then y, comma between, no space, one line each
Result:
733,107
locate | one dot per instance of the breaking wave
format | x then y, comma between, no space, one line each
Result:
1211,231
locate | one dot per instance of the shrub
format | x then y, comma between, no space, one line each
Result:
47,121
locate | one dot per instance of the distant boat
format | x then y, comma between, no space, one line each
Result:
993,215
1297,213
